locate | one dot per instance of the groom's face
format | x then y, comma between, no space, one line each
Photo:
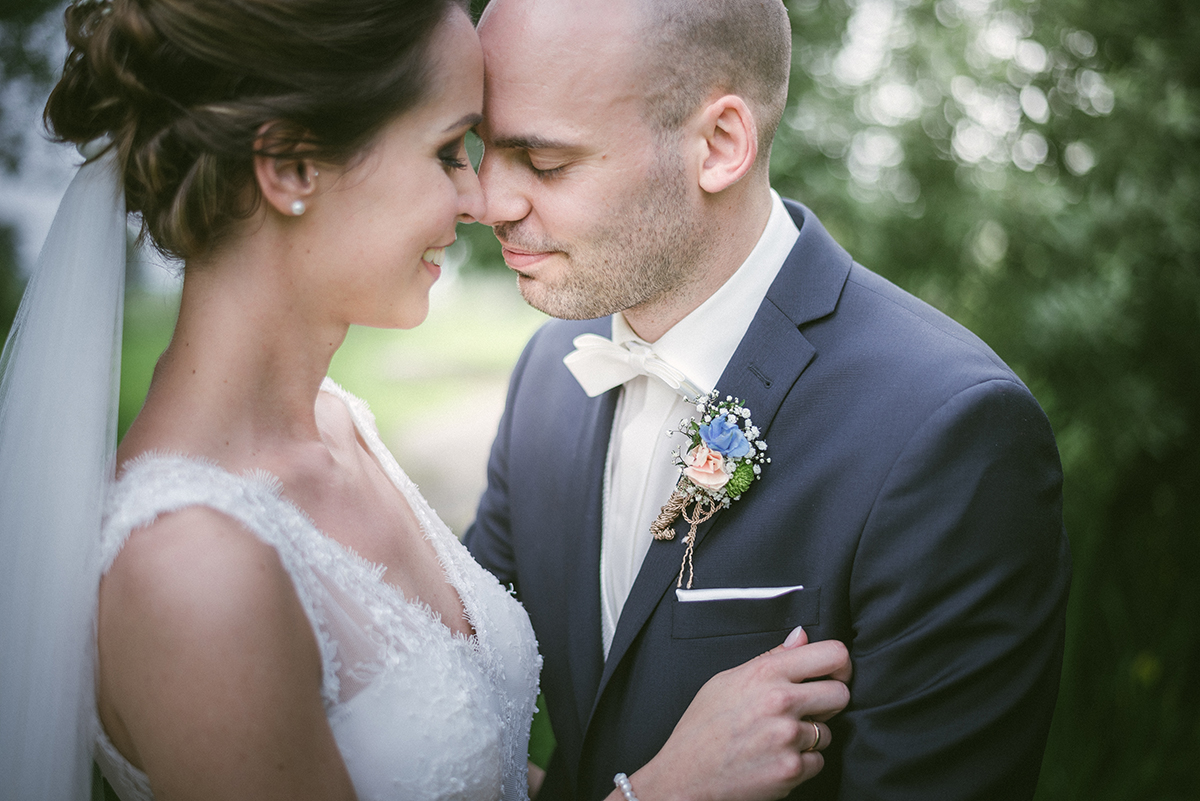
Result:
591,205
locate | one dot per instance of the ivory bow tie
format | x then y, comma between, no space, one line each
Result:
599,364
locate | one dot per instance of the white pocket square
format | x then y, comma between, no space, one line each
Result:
734,593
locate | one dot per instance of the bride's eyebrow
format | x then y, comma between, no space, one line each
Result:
466,121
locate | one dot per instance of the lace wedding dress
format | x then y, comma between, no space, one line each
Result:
417,711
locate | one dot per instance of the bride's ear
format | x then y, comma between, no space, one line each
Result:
285,178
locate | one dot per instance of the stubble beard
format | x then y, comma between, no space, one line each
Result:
636,258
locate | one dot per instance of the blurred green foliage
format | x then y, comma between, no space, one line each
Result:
11,284
1031,167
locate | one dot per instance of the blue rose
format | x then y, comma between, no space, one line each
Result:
725,438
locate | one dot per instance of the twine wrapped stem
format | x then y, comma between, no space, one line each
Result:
701,511
662,527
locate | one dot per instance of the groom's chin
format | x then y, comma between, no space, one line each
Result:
557,303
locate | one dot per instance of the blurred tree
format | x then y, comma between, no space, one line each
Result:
25,69
10,282
30,33
1033,169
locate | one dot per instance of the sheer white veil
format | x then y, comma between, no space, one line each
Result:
59,382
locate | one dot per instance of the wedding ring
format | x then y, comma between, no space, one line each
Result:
817,741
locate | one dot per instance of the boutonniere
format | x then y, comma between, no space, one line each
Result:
724,456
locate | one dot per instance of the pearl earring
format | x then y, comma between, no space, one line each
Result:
298,207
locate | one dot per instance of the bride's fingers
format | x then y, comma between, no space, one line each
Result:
817,700
796,638
811,763
827,658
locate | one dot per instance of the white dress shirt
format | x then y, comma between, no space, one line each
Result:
641,473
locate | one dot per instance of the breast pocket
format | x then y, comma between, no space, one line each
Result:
725,616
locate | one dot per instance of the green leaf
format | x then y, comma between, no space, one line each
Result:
740,481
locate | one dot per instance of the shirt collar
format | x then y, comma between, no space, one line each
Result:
702,343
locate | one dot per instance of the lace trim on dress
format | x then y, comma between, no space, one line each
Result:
126,777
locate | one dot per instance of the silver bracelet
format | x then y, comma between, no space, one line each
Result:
622,783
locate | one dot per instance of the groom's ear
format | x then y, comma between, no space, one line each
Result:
280,169
730,142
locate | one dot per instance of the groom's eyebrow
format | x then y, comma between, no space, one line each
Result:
529,142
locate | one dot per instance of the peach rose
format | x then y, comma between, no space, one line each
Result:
706,468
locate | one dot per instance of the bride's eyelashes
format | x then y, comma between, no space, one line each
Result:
454,155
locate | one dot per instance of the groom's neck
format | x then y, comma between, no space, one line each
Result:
731,227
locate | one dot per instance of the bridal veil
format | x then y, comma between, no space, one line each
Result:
58,402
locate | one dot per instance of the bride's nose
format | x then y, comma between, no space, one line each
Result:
471,206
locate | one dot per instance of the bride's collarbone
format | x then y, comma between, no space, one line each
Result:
357,505
341,486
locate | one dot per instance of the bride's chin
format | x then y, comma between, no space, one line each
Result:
413,319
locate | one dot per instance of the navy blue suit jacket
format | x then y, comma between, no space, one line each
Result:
915,492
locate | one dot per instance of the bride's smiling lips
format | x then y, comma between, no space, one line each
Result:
434,258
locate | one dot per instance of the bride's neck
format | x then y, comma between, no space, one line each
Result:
244,365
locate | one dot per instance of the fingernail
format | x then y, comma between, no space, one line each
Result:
791,638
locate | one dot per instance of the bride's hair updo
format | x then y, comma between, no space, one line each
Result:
184,87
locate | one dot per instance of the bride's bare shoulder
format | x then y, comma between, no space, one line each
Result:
193,581
208,659
206,653
194,556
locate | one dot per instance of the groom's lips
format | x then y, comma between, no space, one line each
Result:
520,260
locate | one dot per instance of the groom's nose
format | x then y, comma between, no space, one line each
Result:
505,188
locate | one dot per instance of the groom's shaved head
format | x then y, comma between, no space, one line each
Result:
680,53
697,48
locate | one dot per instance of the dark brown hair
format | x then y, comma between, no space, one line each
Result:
183,88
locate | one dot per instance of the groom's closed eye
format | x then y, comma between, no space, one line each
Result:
544,157
546,168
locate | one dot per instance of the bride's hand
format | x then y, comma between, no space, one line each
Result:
750,732
536,776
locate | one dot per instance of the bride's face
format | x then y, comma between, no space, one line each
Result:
385,220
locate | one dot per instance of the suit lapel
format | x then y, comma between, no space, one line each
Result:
770,359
